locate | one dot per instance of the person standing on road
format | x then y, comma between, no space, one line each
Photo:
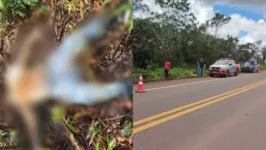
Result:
201,66
167,66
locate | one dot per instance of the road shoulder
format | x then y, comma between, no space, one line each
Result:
159,84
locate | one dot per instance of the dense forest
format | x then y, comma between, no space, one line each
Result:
176,35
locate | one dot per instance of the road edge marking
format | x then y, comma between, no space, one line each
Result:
178,85
184,84
171,117
138,122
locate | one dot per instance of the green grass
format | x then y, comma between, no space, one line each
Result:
263,66
158,73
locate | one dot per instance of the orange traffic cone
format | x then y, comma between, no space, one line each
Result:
140,85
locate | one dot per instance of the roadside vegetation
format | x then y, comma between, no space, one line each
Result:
263,67
177,36
154,74
157,74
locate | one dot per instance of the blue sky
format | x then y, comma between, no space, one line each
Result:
243,11
242,34
249,13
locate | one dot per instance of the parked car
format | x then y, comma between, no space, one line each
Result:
250,66
224,67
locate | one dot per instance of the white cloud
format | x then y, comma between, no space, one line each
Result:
255,29
152,6
203,10
261,21
253,4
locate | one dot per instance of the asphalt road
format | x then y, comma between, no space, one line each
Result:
202,114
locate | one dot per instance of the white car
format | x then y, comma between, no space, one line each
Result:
224,67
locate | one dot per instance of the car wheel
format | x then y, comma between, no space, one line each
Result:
211,75
236,73
227,74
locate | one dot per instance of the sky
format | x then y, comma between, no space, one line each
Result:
248,17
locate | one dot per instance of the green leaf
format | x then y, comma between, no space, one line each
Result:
76,116
131,24
30,2
111,144
123,8
98,144
57,113
21,14
126,132
72,128
43,9
127,124
13,134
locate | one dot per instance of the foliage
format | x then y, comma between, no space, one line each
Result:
217,22
14,10
263,54
176,35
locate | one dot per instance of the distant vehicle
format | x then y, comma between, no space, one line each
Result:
224,67
251,66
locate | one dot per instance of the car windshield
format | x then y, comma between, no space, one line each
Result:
222,62
246,63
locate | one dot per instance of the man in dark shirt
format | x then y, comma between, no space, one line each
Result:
201,66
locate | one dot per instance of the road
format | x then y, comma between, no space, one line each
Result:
202,114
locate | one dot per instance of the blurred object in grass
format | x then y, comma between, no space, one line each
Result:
37,72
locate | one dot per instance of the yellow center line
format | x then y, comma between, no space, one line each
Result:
190,105
165,119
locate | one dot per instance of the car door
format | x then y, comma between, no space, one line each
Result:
232,66
254,65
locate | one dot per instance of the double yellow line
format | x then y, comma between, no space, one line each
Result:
177,112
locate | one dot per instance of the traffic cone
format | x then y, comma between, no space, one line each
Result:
140,85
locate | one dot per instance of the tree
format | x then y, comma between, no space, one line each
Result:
263,54
175,34
171,31
145,46
217,22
